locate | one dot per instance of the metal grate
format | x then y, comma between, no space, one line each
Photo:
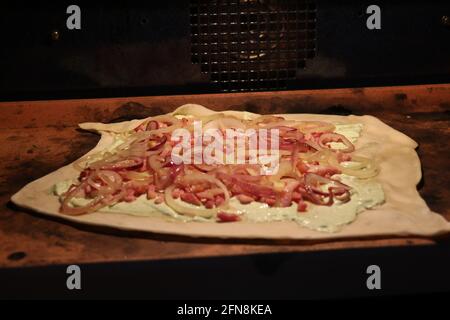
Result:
247,45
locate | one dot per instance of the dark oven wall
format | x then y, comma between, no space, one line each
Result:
131,48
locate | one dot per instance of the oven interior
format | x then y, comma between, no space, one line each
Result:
136,60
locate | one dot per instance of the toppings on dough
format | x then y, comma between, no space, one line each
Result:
163,159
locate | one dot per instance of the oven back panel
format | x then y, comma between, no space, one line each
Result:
200,46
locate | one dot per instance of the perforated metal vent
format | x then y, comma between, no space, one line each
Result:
252,45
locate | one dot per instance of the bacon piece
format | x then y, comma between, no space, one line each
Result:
341,157
176,193
302,167
129,196
159,198
209,204
302,206
270,201
324,171
122,164
245,199
152,125
296,196
191,198
227,217
219,200
151,192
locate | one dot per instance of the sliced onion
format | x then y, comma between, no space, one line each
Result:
106,186
286,197
202,177
111,178
188,210
317,199
159,144
313,181
92,206
367,169
285,169
255,189
155,162
294,157
152,125
317,196
123,164
322,156
172,122
336,137
205,167
313,144
138,176
210,193
344,197
104,182
246,177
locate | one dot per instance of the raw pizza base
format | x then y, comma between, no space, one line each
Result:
404,212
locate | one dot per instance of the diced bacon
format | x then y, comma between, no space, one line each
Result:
184,122
341,157
159,198
151,192
285,200
302,206
152,125
236,189
219,200
176,193
325,171
316,134
244,199
129,196
286,197
296,196
175,170
84,174
302,167
209,204
144,166
189,197
210,193
199,187
239,186
87,189
227,217
139,188
165,152
140,127
270,201
132,162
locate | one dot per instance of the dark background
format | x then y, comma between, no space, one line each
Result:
336,274
127,48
